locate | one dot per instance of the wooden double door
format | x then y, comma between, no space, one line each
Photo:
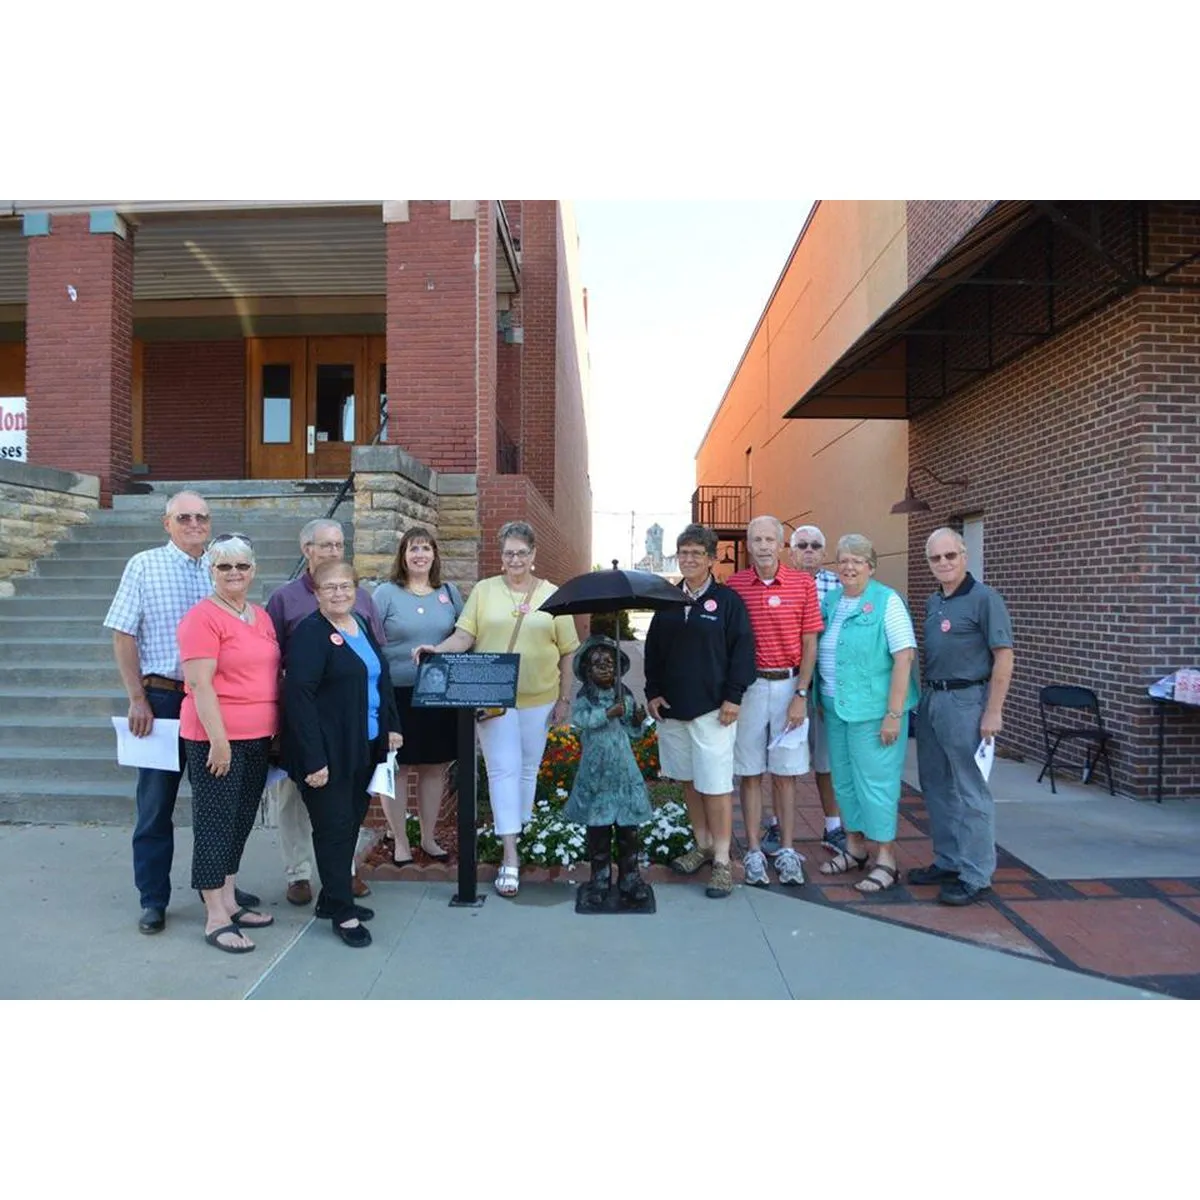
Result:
309,401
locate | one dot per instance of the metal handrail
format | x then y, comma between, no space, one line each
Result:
347,484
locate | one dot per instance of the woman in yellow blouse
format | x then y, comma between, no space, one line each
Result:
513,743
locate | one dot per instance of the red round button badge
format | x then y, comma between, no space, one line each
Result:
774,601
337,639
946,625
443,598
710,606
868,607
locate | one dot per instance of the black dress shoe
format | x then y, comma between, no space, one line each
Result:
357,936
931,874
361,911
152,920
960,894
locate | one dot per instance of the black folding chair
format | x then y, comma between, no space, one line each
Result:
1052,700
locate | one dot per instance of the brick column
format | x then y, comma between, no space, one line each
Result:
539,306
79,345
441,331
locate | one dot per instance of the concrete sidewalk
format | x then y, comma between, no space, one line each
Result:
73,935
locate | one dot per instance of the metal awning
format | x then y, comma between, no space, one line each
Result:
1025,272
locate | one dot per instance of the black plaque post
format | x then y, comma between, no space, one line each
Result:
467,895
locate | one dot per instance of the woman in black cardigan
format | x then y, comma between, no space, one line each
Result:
340,720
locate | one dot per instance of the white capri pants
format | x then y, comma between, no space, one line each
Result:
699,752
512,748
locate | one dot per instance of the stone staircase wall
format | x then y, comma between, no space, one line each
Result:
38,506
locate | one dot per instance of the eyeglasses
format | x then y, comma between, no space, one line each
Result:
853,562
517,554
332,589
191,518
691,553
225,568
949,556
229,537
809,546
328,545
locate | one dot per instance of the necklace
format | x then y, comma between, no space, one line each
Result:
520,605
244,614
426,590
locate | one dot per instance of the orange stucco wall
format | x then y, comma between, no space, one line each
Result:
847,269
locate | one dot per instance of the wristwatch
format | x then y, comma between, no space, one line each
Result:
894,715
802,693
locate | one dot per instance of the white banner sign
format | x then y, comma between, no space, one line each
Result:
12,428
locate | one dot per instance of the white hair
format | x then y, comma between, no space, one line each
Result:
763,520
308,534
810,530
230,548
946,531
173,500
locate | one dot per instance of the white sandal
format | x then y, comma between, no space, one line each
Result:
508,881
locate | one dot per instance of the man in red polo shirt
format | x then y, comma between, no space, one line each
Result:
786,618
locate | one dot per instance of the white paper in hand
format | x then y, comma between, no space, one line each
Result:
158,750
275,776
984,756
383,782
791,739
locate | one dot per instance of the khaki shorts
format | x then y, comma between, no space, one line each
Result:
699,752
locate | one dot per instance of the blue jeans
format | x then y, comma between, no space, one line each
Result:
154,833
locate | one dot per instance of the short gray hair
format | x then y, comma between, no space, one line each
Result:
946,531
809,529
762,520
308,535
230,546
858,545
698,535
521,530
171,500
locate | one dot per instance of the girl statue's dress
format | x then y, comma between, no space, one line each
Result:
609,789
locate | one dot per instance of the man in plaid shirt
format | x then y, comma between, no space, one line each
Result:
808,552
157,587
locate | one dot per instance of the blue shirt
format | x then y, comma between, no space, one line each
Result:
362,647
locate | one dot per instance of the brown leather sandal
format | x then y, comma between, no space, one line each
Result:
871,885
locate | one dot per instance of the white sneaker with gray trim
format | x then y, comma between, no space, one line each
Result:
788,868
755,866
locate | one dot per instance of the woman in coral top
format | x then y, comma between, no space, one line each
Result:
230,714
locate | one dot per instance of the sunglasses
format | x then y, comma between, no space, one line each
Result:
949,556
225,568
809,546
229,537
191,518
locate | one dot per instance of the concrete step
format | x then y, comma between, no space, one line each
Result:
48,734
93,606
45,625
69,764
110,566
81,650
63,705
46,672
104,803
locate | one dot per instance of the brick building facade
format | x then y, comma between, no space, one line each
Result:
239,341
1048,353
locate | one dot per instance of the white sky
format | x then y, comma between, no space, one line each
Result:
674,292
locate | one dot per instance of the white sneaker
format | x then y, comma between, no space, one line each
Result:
788,868
755,866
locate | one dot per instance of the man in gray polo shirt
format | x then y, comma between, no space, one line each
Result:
968,669
321,541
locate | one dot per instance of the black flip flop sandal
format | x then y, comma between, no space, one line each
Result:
211,939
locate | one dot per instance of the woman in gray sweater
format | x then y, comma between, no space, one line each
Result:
417,608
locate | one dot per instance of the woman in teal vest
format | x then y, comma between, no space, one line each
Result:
866,687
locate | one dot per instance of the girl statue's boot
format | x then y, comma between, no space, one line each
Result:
635,891
599,845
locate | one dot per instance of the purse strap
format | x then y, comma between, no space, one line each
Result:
512,641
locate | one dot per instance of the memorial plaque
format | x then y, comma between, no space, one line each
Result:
467,681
